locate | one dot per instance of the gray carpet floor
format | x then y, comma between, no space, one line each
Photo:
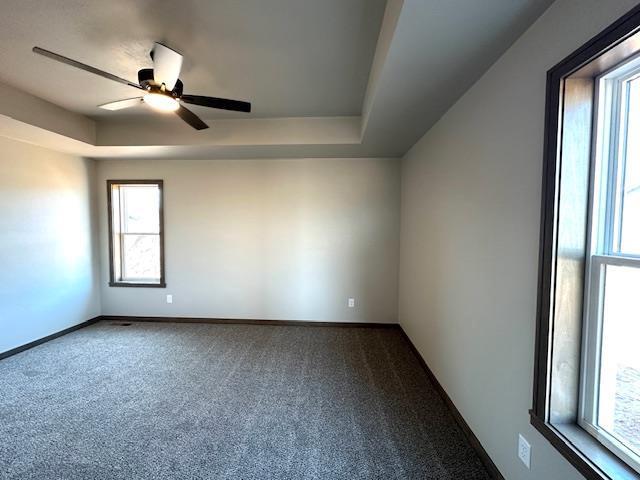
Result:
198,401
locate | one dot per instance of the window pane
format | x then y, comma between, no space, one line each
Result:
141,257
619,397
630,232
141,208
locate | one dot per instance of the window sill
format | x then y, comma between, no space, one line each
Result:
584,452
138,285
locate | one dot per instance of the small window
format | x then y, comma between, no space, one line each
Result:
136,242
611,354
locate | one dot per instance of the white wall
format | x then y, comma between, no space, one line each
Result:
48,259
268,239
469,242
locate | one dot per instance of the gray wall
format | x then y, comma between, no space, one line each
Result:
268,239
470,225
48,259
469,238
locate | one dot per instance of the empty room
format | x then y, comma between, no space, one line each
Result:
320,239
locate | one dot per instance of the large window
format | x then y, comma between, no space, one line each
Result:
610,406
136,233
586,393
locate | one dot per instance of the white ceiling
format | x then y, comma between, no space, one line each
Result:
289,57
306,66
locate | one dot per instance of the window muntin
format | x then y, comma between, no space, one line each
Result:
610,403
135,220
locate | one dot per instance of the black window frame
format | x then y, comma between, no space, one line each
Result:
585,453
113,282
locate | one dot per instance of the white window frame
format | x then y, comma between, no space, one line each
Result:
604,240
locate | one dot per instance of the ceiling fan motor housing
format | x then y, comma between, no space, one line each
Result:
145,77
146,81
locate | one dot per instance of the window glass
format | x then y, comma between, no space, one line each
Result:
619,392
630,224
141,257
141,207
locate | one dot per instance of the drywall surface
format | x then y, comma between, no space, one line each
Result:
48,238
469,238
268,239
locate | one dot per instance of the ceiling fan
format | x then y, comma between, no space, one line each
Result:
161,85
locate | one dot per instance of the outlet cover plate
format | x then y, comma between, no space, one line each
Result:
524,451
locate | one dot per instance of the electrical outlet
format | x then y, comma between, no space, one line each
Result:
524,451
351,303
169,298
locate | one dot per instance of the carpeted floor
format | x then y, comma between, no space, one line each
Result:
197,401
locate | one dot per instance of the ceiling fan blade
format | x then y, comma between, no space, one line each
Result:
220,103
121,104
166,65
82,66
191,118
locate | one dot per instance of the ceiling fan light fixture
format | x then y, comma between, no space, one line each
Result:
161,87
161,102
